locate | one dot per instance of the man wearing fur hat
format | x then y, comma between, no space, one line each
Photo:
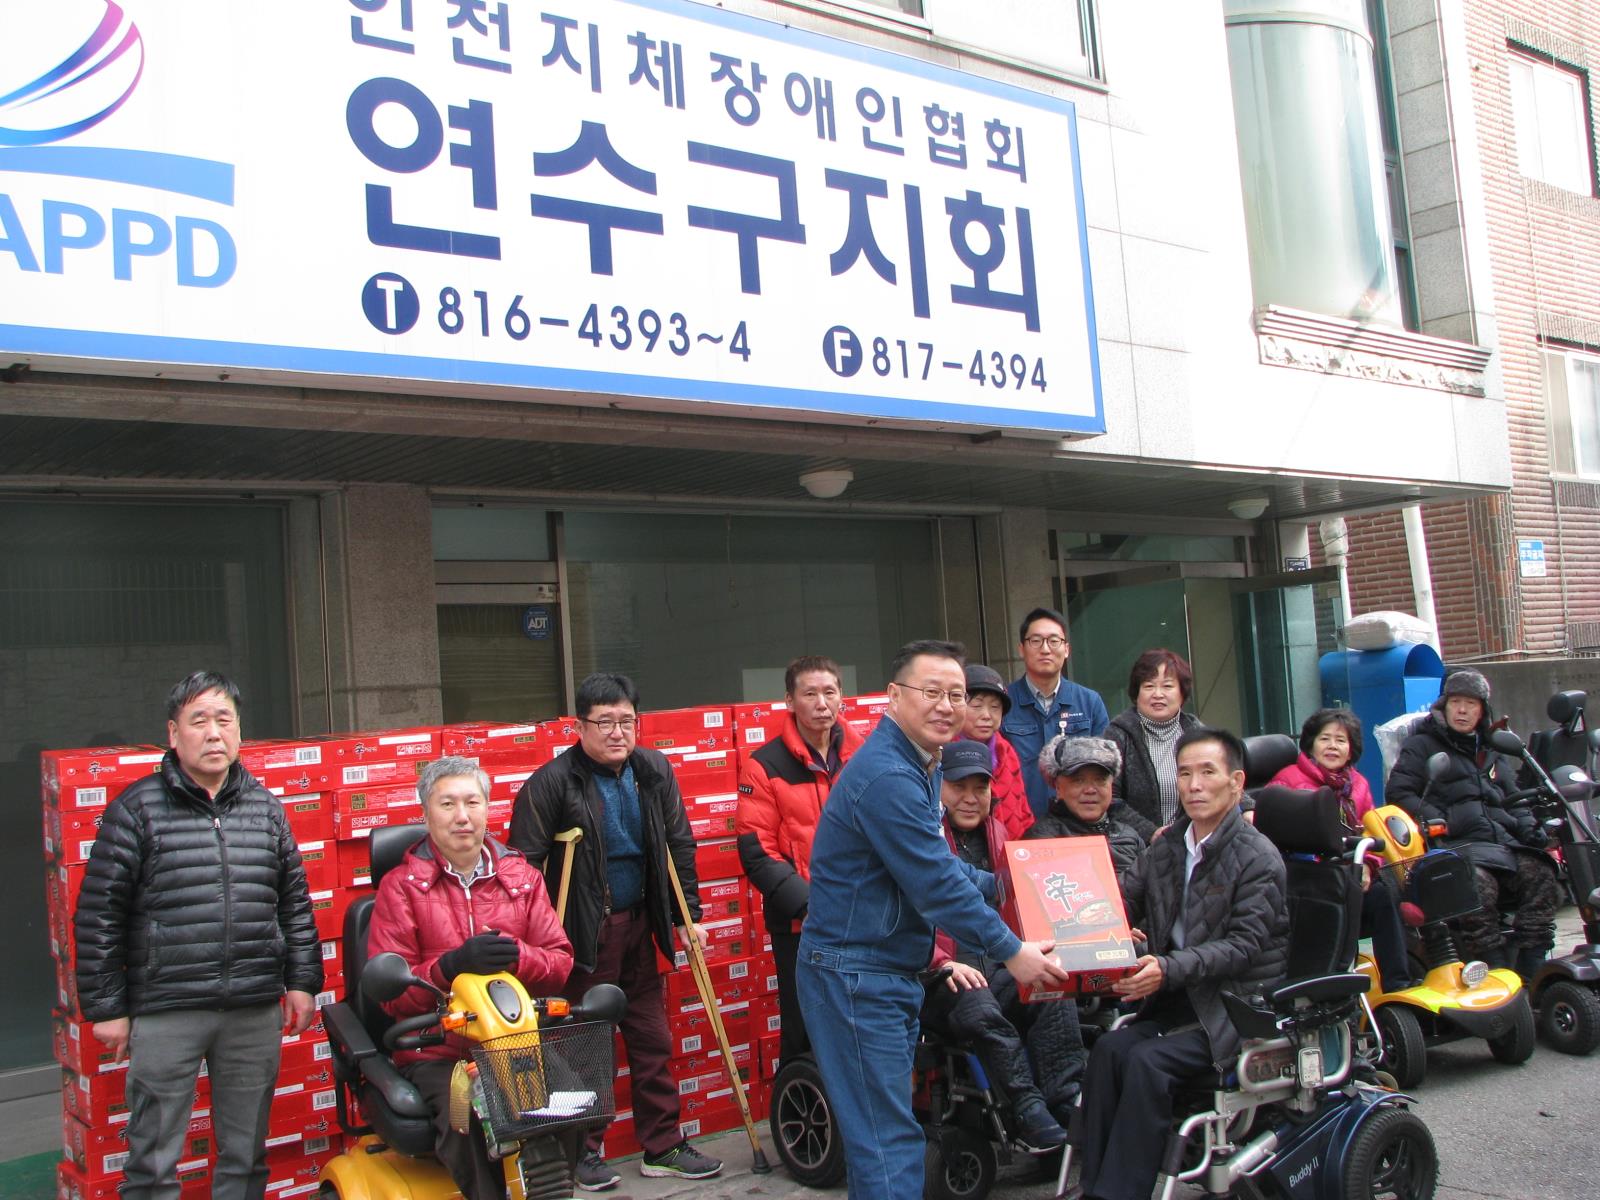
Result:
1504,847
1080,770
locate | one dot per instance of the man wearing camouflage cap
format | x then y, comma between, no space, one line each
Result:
1080,771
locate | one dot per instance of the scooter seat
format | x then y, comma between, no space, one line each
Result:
1324,989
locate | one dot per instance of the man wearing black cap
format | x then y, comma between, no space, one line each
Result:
1504,848
977,999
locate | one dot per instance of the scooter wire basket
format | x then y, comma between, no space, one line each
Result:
534,1084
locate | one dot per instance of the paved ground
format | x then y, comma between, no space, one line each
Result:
1504,1133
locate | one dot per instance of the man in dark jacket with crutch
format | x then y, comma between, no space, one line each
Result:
196,942
620,907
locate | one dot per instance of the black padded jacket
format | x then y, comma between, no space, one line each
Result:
1471,799
563,794
193,902
1122,839
1235,922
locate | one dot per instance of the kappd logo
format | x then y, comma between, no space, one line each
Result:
68,68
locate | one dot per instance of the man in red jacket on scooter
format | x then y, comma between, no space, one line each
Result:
461,902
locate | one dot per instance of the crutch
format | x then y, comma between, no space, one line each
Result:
702,983
571,837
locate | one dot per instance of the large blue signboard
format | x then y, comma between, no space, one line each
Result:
652,199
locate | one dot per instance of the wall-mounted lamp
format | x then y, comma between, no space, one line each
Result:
827,483
1248,508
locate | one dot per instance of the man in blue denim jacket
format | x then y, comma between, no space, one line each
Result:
882,876
1046,704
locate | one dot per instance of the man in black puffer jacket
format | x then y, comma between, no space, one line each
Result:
195,941
1505,848
1209,896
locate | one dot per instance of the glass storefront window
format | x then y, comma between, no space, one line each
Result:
103,607
702,609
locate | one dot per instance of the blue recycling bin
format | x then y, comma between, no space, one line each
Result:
1379,685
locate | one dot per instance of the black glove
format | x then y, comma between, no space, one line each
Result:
484,954
1531,833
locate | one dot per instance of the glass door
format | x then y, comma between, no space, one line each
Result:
1279,644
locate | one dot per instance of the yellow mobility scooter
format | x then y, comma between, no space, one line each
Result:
1454,999
540,1075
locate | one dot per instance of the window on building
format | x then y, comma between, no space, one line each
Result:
1059,34
1572,398
1550,109
1393,171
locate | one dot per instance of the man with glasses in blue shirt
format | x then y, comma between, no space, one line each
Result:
1045,704
620,908
882,877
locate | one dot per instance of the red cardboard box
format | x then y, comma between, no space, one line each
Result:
321,865
344,751
506,782
355,862
475,739
767,1045
692,1032
69,833
703,772
673,728
91,778
310,817
194,1182
725,939
327,909
723,898
620,1140
101,1151
717,859
358,811
1066,889
77,1049
764,1017
712,817
731,979
287,768
863,712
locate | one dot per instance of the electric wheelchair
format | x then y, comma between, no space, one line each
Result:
1300,1116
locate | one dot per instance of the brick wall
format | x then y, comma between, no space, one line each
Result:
1545,251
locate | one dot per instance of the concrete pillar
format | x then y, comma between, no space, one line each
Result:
995,569
383,640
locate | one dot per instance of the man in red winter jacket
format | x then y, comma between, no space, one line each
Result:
462,902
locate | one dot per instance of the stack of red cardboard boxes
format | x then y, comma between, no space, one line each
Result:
335,790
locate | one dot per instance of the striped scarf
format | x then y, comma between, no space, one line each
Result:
1160,740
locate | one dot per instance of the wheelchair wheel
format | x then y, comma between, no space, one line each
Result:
1515,1045
1391,1157
962,1169
802,1125
1569,1017
1404,1054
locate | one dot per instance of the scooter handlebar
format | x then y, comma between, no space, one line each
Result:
406,1033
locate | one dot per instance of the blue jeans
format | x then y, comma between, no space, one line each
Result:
863,1028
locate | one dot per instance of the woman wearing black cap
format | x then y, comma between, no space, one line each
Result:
987,705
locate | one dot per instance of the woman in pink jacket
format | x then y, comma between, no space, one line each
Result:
1330,746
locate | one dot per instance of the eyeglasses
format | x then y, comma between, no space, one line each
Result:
609,725
1038,642
933,695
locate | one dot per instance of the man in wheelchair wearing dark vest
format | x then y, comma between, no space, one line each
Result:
1209,896
460,901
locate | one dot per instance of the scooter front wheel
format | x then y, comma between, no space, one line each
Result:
1391,1157
1515,1045
1405,1055
1569,1017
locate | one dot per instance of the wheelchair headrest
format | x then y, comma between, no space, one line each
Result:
1266,755
1566,707
389,846
1301,822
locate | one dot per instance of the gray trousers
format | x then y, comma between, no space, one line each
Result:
240,1047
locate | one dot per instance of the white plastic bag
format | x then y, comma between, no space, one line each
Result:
1390,735
1380,630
